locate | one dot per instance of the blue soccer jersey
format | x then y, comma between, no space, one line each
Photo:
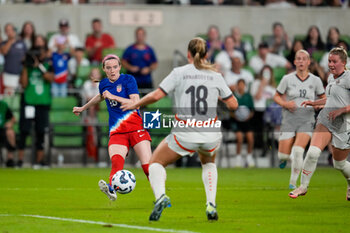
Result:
141,58
119,121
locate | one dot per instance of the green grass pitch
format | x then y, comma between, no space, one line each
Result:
248,200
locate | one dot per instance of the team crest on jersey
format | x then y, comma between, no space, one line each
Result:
119,88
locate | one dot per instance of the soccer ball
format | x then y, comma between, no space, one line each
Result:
123,181
242,113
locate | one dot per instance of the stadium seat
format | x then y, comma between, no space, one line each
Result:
103,129
317,55
49,35
300,37
248,38
250,69
66,129
278,73
345,38
250,54
83,73
14,103
264,37
204,36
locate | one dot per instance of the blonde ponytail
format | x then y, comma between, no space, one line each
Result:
198,49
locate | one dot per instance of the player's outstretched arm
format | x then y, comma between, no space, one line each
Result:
231,103
77,110
150,98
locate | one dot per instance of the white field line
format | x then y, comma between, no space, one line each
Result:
100,223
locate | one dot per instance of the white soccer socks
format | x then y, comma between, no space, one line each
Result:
282,156
309,166
297,164
210,180
157,177
344,167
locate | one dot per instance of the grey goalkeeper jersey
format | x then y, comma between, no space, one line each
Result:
196,94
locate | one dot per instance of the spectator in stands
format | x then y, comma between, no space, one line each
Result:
310,3
90,90
36,79
78,60
64,28
2,60
333,38
313,41
263,89
7,134
240,45
140,60
97,41
60,67
278,4
14,51
214,44
264,57
297,45
236,73
28,34
279,41
244,128
223,58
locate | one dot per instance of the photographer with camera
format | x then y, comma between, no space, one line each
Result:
35,80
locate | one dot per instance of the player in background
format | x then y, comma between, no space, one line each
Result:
197,88
333,123
125,127
297,122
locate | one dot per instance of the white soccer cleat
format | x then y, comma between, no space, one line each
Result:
104,187
297,192
211,212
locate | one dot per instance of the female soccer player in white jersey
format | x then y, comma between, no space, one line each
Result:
333,123
297,122
125,127
197,88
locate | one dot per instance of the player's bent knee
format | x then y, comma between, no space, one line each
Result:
339,165
313,153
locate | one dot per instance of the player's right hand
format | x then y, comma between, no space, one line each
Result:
77,110
290,106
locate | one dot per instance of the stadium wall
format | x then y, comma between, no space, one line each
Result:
178,25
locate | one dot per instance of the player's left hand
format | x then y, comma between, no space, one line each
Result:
128,106
334,114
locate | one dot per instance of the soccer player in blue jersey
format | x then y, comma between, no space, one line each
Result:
125,127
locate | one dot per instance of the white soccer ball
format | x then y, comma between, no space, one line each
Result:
242,113
123,181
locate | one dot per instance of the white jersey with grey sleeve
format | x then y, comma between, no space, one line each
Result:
338,96
299,90
196,93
